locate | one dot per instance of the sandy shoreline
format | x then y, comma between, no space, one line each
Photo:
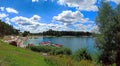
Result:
18,39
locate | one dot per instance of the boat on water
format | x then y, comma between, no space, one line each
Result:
45,43
49,43
57,45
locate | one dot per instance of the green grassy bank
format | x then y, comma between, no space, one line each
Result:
14,56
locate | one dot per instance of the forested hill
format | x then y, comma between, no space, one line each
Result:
66,33
6,29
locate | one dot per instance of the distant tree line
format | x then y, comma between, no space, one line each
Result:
65,33
6,29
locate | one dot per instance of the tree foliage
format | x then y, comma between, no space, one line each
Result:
108,20
82,54
25,33
66,33
6,29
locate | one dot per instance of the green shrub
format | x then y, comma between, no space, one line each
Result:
82,54
104,59
51,49
62,50
87,63
25,33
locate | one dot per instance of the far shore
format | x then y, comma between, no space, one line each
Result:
56,36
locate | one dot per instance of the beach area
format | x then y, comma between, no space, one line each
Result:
18,39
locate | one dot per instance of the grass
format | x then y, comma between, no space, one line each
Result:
61,60
14,56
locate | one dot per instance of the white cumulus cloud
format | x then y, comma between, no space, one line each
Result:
7,20
89,27
95,29
83,27
34,25
35,18
69,17
2,8
11,10
26,21
3,15
27,24
35,0
87,5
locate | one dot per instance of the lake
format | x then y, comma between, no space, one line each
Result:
74,43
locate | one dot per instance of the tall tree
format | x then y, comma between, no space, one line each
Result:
117,34
6,29
25,33
108,20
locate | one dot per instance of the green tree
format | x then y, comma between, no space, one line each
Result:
82,54
6,29
108,20
25,33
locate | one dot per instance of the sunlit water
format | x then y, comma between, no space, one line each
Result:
74,43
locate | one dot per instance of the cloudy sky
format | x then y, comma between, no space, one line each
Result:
41,15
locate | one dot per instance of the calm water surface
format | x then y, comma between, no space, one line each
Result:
74,43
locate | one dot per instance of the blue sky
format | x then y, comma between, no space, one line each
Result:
41,15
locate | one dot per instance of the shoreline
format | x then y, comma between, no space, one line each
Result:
18,39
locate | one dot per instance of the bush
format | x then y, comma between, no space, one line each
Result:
104,59
40,48
87,63
61,50
61,60
51,49
25,33
82,54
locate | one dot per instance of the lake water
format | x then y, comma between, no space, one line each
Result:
74,43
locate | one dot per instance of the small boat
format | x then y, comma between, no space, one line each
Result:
49,43
58,45
46,43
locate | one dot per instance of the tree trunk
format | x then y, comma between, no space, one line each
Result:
118,57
